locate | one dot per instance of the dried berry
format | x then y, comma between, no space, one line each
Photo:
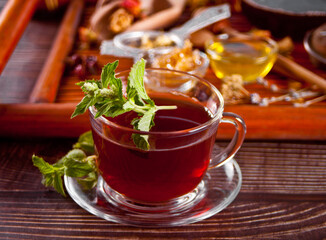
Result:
77,59
80,71
73,61
133,6
92,66
82,66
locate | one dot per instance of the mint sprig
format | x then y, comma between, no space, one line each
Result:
85,143
108,98
76,163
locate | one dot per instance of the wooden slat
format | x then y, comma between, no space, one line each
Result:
41,120
47,84
13,20
283,122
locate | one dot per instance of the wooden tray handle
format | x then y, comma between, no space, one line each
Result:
46,87
13,20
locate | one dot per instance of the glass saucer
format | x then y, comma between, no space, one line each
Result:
217,190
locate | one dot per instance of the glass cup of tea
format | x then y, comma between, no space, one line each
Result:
246,55
164,185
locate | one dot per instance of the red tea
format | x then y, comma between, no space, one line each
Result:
176,165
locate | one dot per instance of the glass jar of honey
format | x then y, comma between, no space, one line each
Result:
245,55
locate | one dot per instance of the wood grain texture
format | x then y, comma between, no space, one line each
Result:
26,62
47,84
282,197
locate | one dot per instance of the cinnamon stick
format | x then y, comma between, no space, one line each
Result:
291,68
47,84
13,20
160,19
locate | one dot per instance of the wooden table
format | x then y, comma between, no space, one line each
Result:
283,195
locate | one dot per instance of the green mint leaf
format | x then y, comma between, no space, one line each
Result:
85,143
108,79
146,121
111,109
91,160
136,81
89,181
129,105
43,166
82,107
141,141
115,111
107,75
58,184
98,93
51,175
74,164
104,109
75,154
107,97
143,124
48,179
77,169
82,83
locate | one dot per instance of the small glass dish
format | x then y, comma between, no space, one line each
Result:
315,57
199,65
131,42
202,66
151,45
245,55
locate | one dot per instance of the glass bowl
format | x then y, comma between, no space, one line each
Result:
202,66
245,55
131,42
151,45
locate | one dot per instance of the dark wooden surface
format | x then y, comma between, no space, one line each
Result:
283,195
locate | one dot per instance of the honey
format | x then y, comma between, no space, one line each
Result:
250,58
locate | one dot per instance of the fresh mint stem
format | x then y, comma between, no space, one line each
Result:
74,164
166,107
108,98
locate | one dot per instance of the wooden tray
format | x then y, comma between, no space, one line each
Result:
54,97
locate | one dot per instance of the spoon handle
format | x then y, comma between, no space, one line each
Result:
205,18
109,48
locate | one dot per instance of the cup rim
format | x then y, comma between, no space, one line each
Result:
193,130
